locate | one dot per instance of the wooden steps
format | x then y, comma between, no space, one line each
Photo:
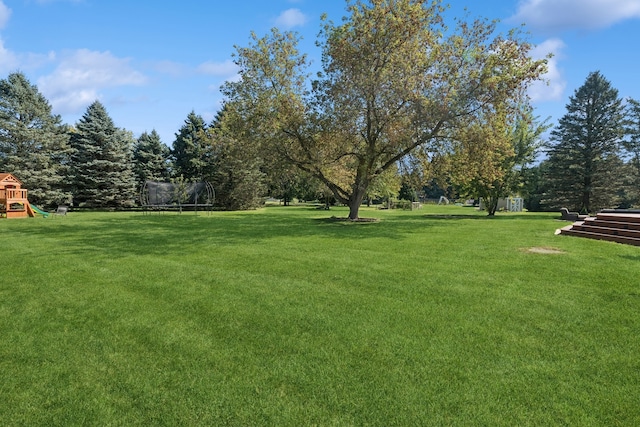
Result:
614,226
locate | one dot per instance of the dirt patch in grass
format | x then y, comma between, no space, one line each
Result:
543,250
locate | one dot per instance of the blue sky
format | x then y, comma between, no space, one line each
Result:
151,63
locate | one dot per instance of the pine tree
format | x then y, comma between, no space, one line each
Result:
34,145
190,148
584,149
236,174
632,147
151,159
101,161
235,166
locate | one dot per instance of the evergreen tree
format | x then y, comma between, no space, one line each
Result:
237,176
632,147
151,159
34,145
236,165
584,147
101,161
287,183
534,186
190,149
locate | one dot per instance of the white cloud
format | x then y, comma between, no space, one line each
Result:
8,60
224,69
553,88
81,74
291,18
557,15
11,61
5,13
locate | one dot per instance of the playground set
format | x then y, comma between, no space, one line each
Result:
13,199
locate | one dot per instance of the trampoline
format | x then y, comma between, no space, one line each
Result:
166,196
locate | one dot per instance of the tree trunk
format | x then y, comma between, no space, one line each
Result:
586,192
354,204
586,196
492,205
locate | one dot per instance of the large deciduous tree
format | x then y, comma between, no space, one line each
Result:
491,157
34,145
101,165
584,148
395,80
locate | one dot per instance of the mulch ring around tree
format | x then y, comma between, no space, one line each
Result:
345,219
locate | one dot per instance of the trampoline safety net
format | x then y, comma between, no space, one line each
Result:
168,195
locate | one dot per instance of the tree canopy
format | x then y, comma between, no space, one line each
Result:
491,158
190,148
632,147
584,148
34,145
151,158
395,81
101,166
235,164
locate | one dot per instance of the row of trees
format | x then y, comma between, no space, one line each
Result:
401,100
90,162
590,160
97,164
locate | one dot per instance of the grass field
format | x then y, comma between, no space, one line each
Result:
285,317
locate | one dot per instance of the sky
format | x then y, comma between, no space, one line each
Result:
151,63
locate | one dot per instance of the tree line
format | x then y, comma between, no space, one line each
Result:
403,104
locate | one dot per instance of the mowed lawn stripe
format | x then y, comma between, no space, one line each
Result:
285,316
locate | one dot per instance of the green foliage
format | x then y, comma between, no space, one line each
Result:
401,204
289,183
386,185
34,145
407,192
584,163
151,159
101,162
632,148
534,186
491,158
190,148
284,317
236,176
180,192
392,85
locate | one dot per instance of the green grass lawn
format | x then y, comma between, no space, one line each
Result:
285,317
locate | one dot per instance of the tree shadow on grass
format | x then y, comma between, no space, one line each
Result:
125,235
497,217
141,234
